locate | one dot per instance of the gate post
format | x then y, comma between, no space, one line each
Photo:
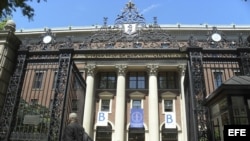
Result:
13,96
244,60
58,108
197,95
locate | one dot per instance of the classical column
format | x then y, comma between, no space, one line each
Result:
182,70
153,103
120,106
89,100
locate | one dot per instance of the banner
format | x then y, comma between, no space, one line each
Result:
170,120
136,118
102,119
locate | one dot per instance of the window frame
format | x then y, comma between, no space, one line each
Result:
216,82
101,105
163,105
109,82
166,78
137,79
38,80
103,133
236,72
132,101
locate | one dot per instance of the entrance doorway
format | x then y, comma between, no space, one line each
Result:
136,134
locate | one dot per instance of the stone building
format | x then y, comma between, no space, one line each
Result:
130,81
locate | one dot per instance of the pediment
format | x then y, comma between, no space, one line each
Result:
106,95
168,95
137,94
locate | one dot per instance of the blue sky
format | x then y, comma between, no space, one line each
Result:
64,13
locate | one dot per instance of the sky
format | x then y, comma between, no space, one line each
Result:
75,13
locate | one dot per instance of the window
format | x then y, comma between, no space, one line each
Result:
237,72
136,134
169,134
107,80
38,80
168,105
239,110
217,79
168,80
136,104
104,133
54,80
216,128
105,105
137,80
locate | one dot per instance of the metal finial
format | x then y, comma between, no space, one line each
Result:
105,19
155,20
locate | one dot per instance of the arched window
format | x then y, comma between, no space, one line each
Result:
136,134
104,133
169,134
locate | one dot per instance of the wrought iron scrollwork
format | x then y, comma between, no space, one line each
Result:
245,63
130,15
198,95
68,43
57,112
192,41
12,98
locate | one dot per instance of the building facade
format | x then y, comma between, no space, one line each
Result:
144,82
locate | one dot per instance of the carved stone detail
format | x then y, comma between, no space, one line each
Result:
182,70
121,69
91,70
152,69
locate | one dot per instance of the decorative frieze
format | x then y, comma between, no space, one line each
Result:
132,55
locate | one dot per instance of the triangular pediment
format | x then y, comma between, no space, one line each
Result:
168,94
137,94
106,95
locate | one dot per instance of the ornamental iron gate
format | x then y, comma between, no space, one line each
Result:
41,93
206,71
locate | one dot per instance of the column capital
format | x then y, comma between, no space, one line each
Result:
90,70
152,69
121,69
182,70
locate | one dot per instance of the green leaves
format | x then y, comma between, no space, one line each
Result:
9,6
2,24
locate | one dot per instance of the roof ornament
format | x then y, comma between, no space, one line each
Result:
105,21
130,15
155,24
